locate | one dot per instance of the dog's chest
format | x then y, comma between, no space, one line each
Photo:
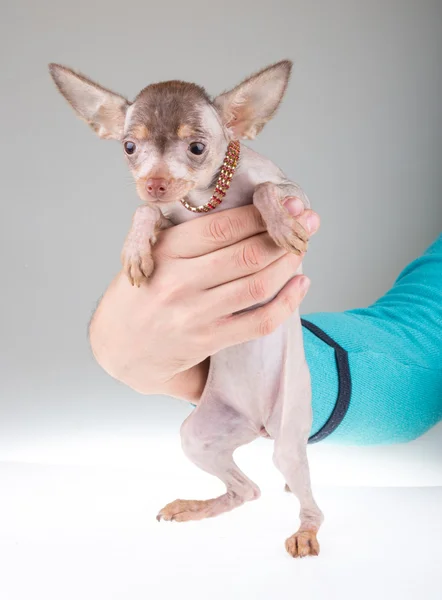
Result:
252,170
239,194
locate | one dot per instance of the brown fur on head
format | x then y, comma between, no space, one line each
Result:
174,135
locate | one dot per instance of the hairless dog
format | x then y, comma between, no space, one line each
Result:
185,154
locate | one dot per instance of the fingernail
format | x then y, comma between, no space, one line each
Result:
304,284
312,223
295,206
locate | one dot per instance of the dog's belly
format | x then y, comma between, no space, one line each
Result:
251,377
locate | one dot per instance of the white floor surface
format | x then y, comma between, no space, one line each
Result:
89,533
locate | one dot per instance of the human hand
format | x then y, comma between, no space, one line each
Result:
157,338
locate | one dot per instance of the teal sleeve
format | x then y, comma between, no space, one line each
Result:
394,352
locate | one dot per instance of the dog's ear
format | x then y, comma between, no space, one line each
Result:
247,108
103,110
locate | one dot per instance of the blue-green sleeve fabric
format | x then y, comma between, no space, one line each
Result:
394,352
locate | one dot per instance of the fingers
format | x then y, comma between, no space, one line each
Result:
241,259
259,287
245,257
295,207
261,321
211,232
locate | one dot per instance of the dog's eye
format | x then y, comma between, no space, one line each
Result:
129,147
197,148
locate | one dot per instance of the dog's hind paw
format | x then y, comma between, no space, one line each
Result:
302,543
186,510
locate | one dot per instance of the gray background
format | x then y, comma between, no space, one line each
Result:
360,129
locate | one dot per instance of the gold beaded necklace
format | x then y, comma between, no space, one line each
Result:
222,185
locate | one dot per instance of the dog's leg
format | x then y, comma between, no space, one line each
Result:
136,256
290,457
209,437
281,225
290,426
290,423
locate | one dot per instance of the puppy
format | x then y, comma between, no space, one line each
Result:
184,151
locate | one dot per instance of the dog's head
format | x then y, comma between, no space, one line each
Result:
174,136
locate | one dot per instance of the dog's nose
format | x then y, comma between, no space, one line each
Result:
156,187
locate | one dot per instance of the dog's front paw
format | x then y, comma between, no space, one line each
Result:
137,265
287,233
302,543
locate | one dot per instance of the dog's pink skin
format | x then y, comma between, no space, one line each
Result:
260,387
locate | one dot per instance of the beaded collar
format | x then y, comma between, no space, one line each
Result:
222,185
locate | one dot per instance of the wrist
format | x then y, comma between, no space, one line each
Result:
188,385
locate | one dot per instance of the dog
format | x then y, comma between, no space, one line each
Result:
185,153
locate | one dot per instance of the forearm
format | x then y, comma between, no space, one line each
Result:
394,355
